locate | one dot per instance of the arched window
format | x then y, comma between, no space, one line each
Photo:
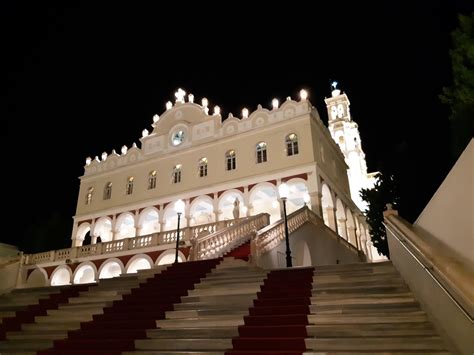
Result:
202,167
261,150
89,196
230,160
108,191
129,189
291,144
177,174
152,180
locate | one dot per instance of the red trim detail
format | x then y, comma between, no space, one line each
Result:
303,176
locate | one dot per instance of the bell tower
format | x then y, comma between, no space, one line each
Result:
345,133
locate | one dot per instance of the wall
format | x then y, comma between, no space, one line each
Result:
448,319
449,216
8,272
323,247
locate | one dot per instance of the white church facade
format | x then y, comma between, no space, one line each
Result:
222,170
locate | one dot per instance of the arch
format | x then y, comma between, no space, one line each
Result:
168,257
341,219
350,226
201,211
62,275
82,230
139,262
125,226
170,218
298,189
38,278
85,273
226,204
264,199
303,254
327,205
112,267
148,221
103,229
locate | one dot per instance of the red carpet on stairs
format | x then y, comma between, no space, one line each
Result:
241,252
117,328
40,309
276,324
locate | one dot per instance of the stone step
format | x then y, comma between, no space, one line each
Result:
193,333
219,298
422,343
370,330
349,296
82,300
66,312
38,334
60,318
20,344
51,326
186,314
364,352
234,289
202,321
78,307
103,293
170,352
183,344
363,289
241,301
18,352
341,301
361,318
356,276
5,314
366,308
11,308
227,285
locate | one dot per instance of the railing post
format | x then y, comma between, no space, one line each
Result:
52,255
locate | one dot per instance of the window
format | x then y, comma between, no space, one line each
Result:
108,191
89,196
203,167
230,160
129,189
177,174
152,180
261,152
291,144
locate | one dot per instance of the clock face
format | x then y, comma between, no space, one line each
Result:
177,138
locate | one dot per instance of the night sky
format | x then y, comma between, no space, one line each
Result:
80,80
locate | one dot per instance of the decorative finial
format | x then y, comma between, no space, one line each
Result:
259,107
169,105
134,145
104,156
288,98
230,115
145,133
217,110
191,98
334,85
180,95
114,152
275,103
156,118
124,150
335,91
88,161
245,112
205,103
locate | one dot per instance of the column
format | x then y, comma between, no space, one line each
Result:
315,201
215,207
341,228
331,213
246,202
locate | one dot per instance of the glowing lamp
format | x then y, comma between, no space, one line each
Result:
156,118
217,110
204,102
179,206
284,191
124,150
169,105
88,160
104,156
180,95
275,103
245,113
303,94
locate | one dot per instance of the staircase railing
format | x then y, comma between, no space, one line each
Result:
217,244
271,236
187,234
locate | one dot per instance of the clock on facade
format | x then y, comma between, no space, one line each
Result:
177,138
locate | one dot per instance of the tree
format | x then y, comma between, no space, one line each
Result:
460,95
385,191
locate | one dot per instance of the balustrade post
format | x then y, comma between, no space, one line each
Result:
52,255
73,252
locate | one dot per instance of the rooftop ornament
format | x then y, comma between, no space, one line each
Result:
180,95
156,118
303,94
204,104
169,105
145,133
245,112
191,98
217,110
88,161
104,156
124,150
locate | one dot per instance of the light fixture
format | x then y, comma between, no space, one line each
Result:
156,118
179,209
88,160
245,112
284,191
303,94
180,95
217,110
124,150
169,105
145,133
275,103
104,156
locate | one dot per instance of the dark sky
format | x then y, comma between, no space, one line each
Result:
88,78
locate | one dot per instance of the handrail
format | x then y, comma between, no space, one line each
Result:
404,239
270,236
